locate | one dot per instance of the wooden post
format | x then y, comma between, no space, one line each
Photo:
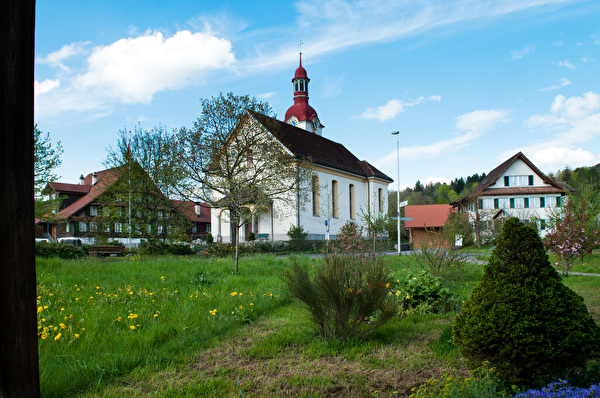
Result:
19,363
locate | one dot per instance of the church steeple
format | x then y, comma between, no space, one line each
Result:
301,114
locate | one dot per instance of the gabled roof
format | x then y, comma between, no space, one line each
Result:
427,216
188,209
321,151
105,179
69,188
495,174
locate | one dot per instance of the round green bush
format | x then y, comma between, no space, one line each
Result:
521,317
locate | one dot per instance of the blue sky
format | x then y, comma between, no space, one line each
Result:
467,83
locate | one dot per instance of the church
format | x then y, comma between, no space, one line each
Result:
343,187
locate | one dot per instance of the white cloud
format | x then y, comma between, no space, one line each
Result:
567,129
132,70
563,83
332,87
518,54
471,125
266,96
394,107
567,64
45,86
56,58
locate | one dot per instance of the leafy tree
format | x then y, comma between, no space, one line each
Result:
46,160
138,203
375,221
521,317
231,164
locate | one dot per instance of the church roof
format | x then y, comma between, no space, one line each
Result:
300,72
320,150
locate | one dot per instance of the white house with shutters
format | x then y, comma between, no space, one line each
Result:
516,188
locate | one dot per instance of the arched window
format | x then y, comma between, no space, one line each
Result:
351,200
315,195
380,199
335,207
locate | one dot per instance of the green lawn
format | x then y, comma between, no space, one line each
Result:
179,327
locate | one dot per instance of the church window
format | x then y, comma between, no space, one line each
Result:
335,208
380,200
351,200
315,195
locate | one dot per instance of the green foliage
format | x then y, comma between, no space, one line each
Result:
483,382
251,236
348,294
521,317
438,259
424,291
296,232
159,248
209,238
60,250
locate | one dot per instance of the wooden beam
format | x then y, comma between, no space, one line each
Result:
19,363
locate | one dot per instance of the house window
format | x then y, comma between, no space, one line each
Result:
93,227
159,214
380,199
351,200
93,210
118,227
534,202
106,227
550,201
335,207
503,203
207,227
82,226
160,229
486,204
315,195
519,203
518,181
68,227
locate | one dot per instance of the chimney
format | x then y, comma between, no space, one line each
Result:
94,178
81,180
198,207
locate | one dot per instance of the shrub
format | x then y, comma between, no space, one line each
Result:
480,383
348,293
297,233
425,291
209,238
251,236
441,261
521,317
60,250
161,248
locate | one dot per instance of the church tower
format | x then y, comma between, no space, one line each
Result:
301,114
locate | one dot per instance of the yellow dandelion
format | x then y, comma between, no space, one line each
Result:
62,326
233,294
119,319
40,309
57,336
76,335
398,293
131,327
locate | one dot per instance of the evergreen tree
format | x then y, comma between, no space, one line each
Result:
521,317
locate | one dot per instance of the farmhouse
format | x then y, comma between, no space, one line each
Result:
516,188
343,187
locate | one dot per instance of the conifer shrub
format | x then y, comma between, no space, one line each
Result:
521,317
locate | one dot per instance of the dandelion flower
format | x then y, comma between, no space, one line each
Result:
233,294
57,336
131,327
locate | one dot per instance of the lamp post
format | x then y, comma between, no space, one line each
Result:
397,134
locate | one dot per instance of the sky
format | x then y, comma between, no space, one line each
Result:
466,83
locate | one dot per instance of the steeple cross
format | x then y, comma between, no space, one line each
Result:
300,45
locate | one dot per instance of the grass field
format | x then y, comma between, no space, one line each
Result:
189,327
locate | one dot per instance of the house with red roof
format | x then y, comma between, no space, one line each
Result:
516,188
342,185
100,208
424,224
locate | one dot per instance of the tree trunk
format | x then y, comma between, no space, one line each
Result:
19,363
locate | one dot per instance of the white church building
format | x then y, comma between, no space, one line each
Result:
343,187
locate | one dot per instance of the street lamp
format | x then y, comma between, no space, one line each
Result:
397,134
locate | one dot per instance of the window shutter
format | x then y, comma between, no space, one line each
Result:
506,182
526,202
87,211
512,203
542,202
558,201
481,203
495,203
531,180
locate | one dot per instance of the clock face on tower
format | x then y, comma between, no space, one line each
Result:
314,123
293,121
